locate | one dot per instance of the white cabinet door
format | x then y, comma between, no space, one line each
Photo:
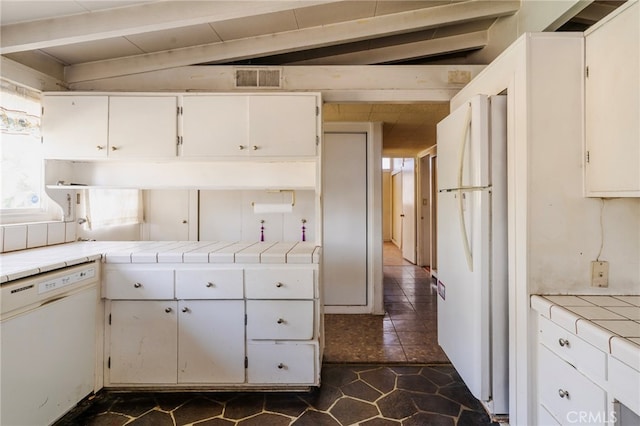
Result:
283,125
142,126
613,107
75,126
215,125
143,342
167,215
211,341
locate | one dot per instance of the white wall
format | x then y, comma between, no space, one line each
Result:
386,205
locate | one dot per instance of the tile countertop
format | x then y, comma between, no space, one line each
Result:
25,263
610,323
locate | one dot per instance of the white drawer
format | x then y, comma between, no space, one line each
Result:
209,284
289,363
138,283
280,319
590,360
624,383
279,283
566,393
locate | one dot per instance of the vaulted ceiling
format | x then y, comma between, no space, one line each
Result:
84,40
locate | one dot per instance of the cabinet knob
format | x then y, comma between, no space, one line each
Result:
137,285
184,221
209,284
99,147
563,342
563,393
185,309
114,148
241,147
167,310
279,285
281,366
280,321
254,147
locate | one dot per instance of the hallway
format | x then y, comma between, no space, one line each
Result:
407,333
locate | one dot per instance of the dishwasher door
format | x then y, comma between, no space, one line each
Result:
48,358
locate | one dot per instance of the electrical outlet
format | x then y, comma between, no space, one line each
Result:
599,274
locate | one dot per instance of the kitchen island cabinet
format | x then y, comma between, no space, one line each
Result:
221,315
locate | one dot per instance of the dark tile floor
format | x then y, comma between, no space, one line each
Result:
407,333
366,395
377,371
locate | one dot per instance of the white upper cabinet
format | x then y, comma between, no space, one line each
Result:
612,90
75,126
142,127
97,127
283,125
228,125
216,125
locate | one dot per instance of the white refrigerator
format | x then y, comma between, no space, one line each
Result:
472,273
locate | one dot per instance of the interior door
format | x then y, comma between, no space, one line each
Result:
396,209
344,251
409,210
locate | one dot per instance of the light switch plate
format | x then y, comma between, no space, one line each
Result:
599,274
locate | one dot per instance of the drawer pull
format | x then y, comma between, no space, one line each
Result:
281,366
279,285
137,285
240,147
209,284
280,321
563,342
254,147
185,309
563,393
167,310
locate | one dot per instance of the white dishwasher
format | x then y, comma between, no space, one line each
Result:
48,344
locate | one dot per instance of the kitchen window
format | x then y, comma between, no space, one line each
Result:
23,197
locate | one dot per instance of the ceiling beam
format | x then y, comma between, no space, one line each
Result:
272,44
123,21
407,51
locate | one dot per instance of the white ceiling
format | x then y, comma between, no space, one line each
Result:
77,41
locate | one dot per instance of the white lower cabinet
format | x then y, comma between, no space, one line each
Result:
567,393
194,326
143,341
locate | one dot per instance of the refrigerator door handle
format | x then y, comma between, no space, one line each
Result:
463,230
463,225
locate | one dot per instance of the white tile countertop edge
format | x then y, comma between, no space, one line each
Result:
623,347
25,263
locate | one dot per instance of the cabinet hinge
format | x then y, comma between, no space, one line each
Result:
317,111
245,319
586,71
317,140
42,111
109,362
179,110
588,157
178,140
246,362
109,319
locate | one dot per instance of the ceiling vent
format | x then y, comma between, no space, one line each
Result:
258,78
